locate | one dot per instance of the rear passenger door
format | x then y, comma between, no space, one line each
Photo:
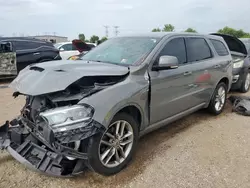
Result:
202,64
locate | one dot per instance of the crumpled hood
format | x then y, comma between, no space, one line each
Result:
55,76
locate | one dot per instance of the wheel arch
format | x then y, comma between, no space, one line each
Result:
131,109
225,80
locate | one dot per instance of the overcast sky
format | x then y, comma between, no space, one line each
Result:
70,17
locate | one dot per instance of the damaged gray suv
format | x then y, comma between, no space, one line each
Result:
91,112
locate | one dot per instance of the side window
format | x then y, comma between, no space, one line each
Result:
175,47
219,47
197,49
67,47
27,45
23,45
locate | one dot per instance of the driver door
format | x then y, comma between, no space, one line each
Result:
7,59
171,90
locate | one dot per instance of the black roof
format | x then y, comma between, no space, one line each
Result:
21,38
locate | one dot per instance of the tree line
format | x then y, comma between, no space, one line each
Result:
226,30
93,38
170,28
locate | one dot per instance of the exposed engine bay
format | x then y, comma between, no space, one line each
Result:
53,129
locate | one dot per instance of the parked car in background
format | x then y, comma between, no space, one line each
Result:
241,59
68,49
18,52
91,112
246,41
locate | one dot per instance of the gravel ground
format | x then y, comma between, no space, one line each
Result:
197,151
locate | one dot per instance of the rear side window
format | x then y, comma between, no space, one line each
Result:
219,47
27,45
67,47
197,49
175,47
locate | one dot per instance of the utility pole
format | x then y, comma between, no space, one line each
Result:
106,30
116,30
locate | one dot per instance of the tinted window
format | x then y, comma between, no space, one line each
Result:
26,45
219,47
175,47
67,47
197,49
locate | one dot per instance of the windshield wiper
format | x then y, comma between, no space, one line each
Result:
99,61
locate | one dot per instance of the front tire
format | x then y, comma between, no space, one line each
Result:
111,151
246,83
218,100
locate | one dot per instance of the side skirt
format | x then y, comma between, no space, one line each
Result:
172,119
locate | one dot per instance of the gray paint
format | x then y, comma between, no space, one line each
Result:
58,75
173,93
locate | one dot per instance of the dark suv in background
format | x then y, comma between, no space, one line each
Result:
18,52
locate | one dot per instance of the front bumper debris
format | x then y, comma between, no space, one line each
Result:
41,155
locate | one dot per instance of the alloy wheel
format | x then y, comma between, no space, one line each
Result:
247,82
220,98
116,144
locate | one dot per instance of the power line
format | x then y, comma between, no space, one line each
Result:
116,30
106,30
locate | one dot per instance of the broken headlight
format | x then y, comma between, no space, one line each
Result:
68,118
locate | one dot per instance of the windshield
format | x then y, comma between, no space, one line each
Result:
124,50
247,43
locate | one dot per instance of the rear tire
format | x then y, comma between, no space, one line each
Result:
111,142
218,100
246,83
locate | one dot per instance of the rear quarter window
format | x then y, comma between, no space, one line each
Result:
197,49
220,48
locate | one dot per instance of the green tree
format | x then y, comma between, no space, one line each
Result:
81,36
94,39
234,32
156,30
86,40
168,27
103,39
190,30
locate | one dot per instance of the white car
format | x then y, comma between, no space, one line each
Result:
68,49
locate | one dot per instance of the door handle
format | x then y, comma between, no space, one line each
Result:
192,85
187,73
217,66
37,53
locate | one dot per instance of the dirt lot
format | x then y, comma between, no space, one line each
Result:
197,151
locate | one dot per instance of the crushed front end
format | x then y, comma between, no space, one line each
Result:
51,134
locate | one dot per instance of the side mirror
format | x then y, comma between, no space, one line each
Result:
61,49
165,63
